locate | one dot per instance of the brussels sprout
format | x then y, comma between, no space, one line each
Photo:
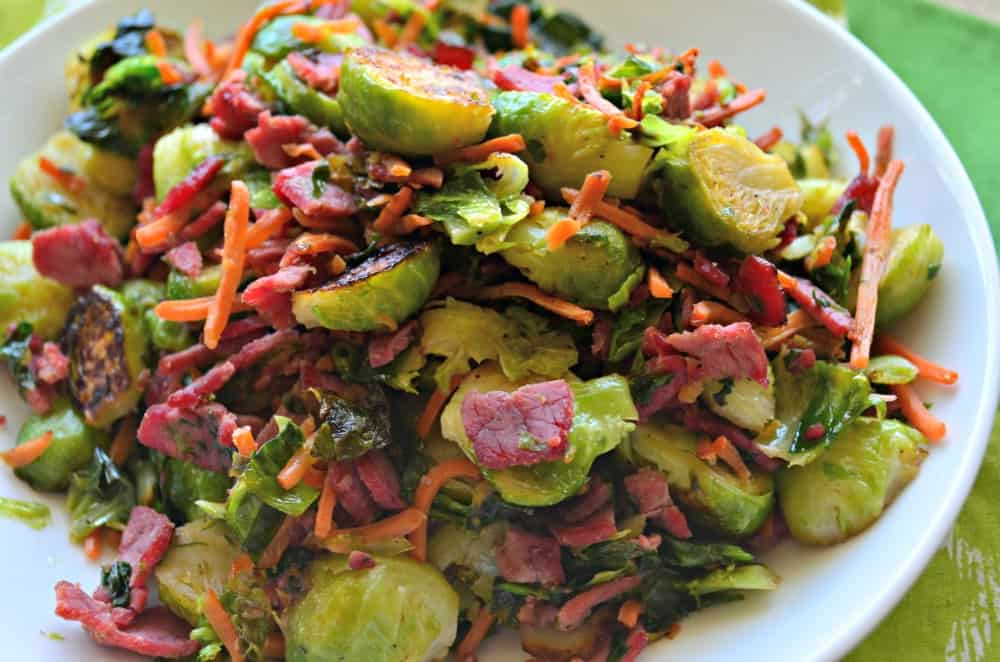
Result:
568,141
199,558
711,496
47,203
596,268
891,369
184,483
914,261
846,489
398,610
177,153
106,345
180,286
602,415
301,99
352,424
725,191
142,296
400,103
471,553
819,196
275,40
26,296
551,644
73,443
745,402
375,295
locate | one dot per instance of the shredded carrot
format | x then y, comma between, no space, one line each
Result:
725,451
219,619
403,523
392,212
169,73
191,310
155,43
520,25
561,232
92,544
860,151
797,321
716,70
240,565
26,453
156,233
246,34
745,101
244,441
327,502
587,80
637,98
689,275
274,645
67,178
512,143
314,478
337,265
386,33
269,225
628,614
917,414
411,31
295,469
595,186
233,256
112,538
770,139
430,484
536,209
659,288
297,151
310,243
713,312
873,265
883,148
886,344
561,91
397,167
474,637
435,403
626,221
433,177
532,293
822,254
279,543
312,33
124,441
194,50
411,223
22,231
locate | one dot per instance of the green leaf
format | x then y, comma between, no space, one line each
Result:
631,323
698,555
115,579
658,132
16,353
99,495
351,428
260,477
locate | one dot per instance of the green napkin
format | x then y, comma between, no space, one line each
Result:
952,62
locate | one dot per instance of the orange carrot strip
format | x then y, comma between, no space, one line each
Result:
233,256
169,73
219,619
279,543
92,544
561,232
873,265
561,91
640,92
194,50
883,149
269,225
536,209
587,80
745,101
532,293
295,469
241,564
595,186
726,452
385,32
411,31
886,344
66,178
716,70
659,288
124,441
628,614
310,243
713,312
244,441
797,321
430,484
688,58
26,453
626,221
246,34
688,274
403,523
191,310
327,502
393,211
770,139
822,255
858,146
474,637
435,403
312,33
411,223
154,234
520,25
314,478
512,143
917,414
155,43
23,231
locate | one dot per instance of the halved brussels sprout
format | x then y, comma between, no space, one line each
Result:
276,39
846,489
142,296
180,286
470,553
200,558
725,191
602,417
745,402
47,203
184,483
554,645
568,141
403,104
27,296
106,345
177,153
712,497
597,268
375,295
319,108
819,196
914,261
73,443
398,610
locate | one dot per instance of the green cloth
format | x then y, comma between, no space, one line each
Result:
952,62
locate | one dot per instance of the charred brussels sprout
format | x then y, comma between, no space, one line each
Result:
725,191
199,558
177,153
73,443
351,426
375,295
398,610
846,489
102,180
712,496
915,256
597,268
27,296
568,141
106,345
400,103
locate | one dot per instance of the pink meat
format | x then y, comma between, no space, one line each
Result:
234,107
537,612
821,307
379,475
144,185
144,542
597,528
580,508
699,420
352,496
186,259
529,558
183,192
200,436
518,78
271,295
155,633
758,281
205,223
50,366
295,187
385,347
677,98
648,488
321,74
273,132
528,426
78,255
732,351
575,611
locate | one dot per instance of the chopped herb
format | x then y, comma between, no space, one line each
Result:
16,353
116,580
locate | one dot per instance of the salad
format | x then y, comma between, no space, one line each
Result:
382,326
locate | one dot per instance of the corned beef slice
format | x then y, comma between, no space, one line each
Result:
731,351
295,187
529,558
379,476
78,255
234,108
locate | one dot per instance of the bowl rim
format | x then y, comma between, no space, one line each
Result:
859,623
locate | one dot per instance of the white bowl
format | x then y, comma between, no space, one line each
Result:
830,598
